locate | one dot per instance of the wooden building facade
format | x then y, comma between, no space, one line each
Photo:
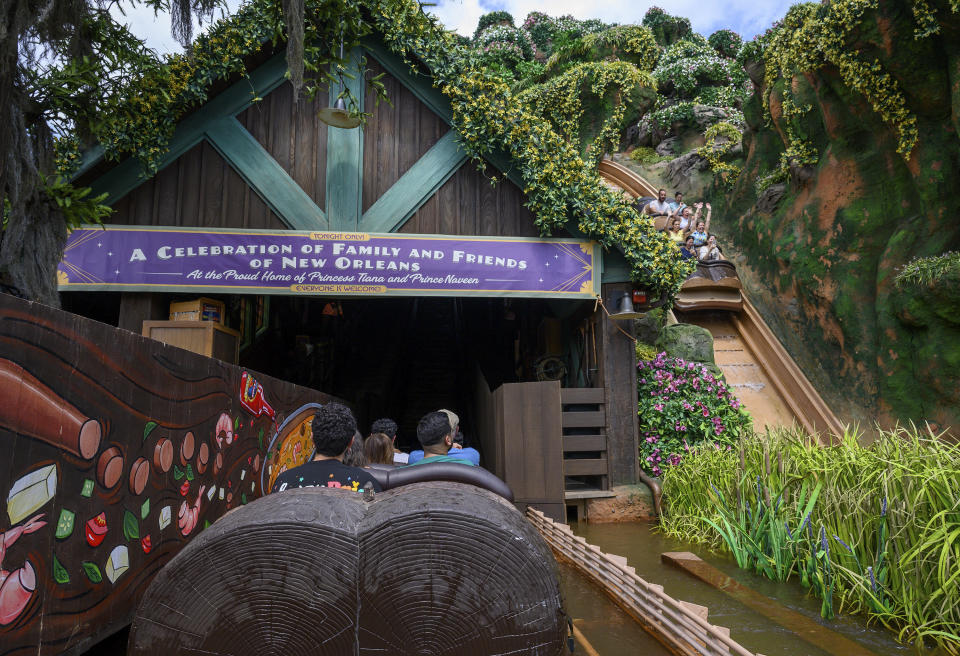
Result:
274,165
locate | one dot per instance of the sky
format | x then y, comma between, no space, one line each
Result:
747,17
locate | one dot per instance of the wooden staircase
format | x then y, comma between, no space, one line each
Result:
583,430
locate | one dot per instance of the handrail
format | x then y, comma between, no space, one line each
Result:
626,179
681,627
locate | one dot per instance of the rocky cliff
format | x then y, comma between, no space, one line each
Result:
827,211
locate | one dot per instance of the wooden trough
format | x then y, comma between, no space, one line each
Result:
428,568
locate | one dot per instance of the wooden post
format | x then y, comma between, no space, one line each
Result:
618,374
135,308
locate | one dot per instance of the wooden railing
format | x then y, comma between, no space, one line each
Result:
626,179
682,627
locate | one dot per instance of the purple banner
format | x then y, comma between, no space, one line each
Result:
325,263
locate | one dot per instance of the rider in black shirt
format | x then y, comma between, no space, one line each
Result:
333,428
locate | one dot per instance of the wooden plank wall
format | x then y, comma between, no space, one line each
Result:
396,136
200,190
117,451
521,438
619,374
532,445
467,204
294,136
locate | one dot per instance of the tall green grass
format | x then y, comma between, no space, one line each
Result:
871,528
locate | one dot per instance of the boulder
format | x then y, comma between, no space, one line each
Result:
684,340
770,198
668,147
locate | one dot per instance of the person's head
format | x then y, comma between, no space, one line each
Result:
675,224
712,241
678,196
353,456
333,427
689,243
701,226
386,426
434,432
661,195
687,212
378,449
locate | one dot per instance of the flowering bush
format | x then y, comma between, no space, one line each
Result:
687,65
682,406
493,18
726,42
549,33
667,28
506,38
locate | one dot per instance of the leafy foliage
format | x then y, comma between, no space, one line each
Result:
869,527
681,406
720,140
646,155
630,43
550,34
688,65
589,103
493,18
726,42
930,271
666,28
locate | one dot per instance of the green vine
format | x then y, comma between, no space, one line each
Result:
559,184
587,93
814,35
720,139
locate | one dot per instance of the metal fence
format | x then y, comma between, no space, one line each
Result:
681,626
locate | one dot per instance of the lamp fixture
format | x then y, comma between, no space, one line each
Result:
338,116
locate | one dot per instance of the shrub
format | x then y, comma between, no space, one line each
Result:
646,155
681,406
630,43
667,29
688,65
506,38
667,116
492,18
726,42
551,34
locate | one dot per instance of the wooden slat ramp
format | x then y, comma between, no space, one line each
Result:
680,626
789,397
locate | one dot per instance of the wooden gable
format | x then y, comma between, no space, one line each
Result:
273,164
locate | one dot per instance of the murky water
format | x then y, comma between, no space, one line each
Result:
607,627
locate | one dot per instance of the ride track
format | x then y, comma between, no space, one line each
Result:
755,363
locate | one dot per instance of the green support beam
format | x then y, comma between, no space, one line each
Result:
264,175
421,85
345,158
128,175
415,187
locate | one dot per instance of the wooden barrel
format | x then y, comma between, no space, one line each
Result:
429,568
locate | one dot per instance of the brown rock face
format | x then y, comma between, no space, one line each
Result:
823,259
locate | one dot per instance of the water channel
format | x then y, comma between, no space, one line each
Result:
614,633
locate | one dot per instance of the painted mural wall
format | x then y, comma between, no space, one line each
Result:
116,451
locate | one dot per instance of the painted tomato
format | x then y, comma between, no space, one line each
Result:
96,529
146,544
